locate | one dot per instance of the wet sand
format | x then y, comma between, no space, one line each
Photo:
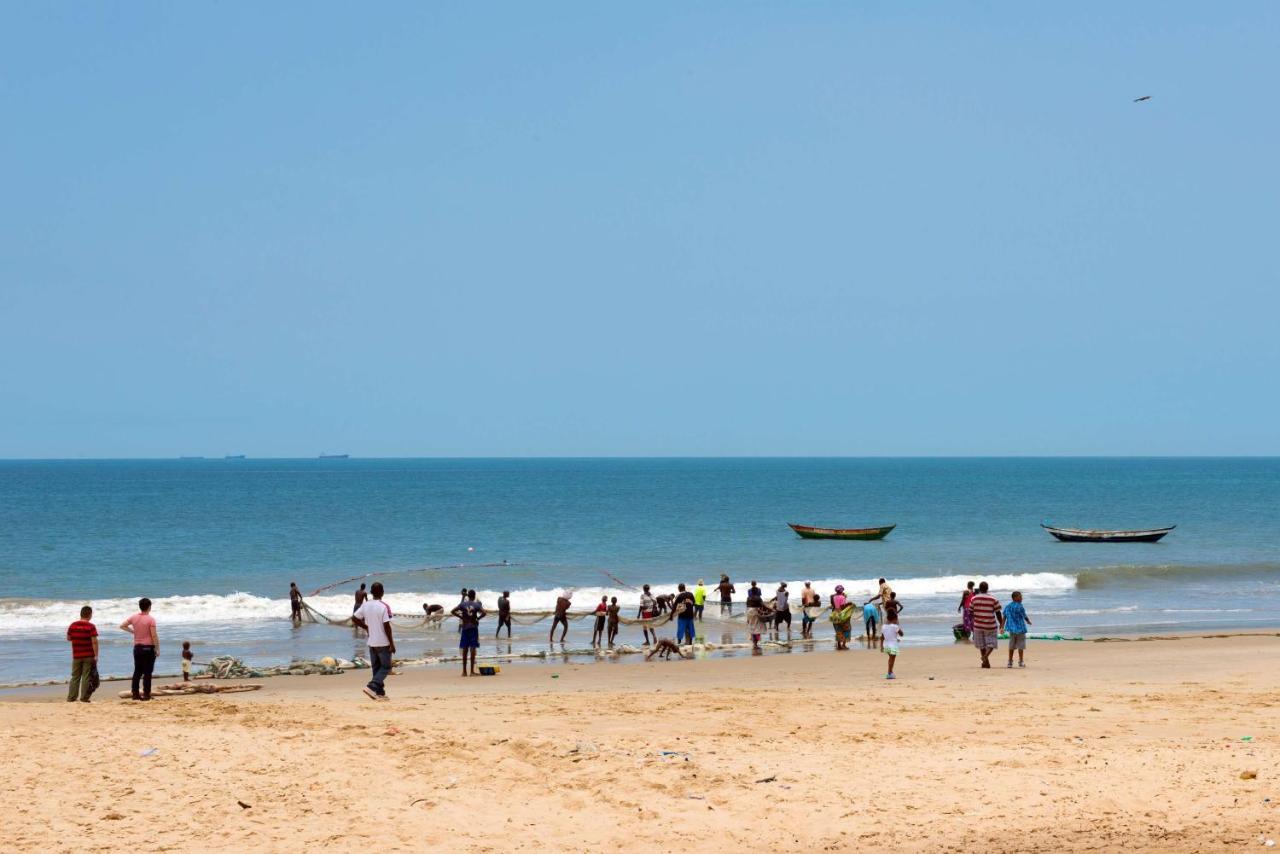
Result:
1094,746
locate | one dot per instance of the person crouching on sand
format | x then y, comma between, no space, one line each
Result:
889,640
1015,623
665,648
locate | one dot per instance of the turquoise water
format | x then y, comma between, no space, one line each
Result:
216,542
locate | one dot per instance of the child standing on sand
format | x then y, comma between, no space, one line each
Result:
889,639
187,655
1015,623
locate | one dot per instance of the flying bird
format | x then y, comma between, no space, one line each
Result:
1143,98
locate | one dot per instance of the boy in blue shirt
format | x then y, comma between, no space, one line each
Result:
1015,623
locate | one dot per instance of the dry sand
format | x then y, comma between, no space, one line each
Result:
1095,746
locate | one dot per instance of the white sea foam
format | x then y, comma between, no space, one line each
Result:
24,615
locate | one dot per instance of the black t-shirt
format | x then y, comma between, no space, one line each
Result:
469,614
686,596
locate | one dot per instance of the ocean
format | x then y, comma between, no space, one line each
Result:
215,543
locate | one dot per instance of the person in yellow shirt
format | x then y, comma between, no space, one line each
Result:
699,600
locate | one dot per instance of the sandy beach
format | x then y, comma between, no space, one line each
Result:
1146,745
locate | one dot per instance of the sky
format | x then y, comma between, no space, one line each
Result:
597,229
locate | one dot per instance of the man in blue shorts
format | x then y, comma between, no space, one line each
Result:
870,616
469,613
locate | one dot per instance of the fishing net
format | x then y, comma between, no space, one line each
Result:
522,618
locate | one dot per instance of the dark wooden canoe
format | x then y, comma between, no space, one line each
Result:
1079,535
811,533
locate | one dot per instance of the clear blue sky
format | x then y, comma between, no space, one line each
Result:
598,228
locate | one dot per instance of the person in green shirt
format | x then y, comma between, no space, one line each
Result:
699,599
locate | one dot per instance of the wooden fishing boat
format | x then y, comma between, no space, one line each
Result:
811,533
1079,535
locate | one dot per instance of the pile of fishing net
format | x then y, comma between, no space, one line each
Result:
229,667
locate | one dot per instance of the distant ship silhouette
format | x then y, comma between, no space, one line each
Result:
334,456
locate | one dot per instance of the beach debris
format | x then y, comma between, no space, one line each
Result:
1246,738
585,747
772,779
1249,774
391,731
244,806
150,751
1270,843
183,689
113,816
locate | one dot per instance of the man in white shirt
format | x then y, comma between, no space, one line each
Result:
374,616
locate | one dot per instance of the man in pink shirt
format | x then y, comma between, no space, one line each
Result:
146,647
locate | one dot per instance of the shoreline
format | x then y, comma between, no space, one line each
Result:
583,657
1147,745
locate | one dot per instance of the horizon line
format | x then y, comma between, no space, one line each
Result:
233,458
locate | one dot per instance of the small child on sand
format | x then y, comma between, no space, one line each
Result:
1015,623
889,640
187,655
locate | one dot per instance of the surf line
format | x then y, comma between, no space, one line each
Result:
383,572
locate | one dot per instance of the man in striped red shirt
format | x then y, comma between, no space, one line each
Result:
987,622
83,636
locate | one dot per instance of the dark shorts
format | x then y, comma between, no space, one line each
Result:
469,637
782,617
